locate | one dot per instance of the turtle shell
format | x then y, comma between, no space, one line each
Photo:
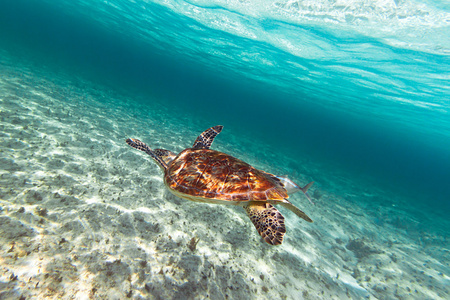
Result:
210,174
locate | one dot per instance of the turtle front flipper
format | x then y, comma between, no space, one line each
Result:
137,144
269,222
205,139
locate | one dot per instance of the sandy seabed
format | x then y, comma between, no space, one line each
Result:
84,216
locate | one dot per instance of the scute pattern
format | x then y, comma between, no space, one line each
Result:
216,175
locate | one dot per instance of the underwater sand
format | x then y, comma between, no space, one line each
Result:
84,216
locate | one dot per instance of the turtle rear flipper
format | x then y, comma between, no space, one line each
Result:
269,222
295,210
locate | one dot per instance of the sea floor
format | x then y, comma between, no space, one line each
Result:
84,216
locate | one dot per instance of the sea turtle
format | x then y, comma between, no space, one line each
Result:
204,175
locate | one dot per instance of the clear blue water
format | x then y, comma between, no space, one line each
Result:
360,85
360,88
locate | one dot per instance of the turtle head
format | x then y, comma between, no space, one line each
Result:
166,155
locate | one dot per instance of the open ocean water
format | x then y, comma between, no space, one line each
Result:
354,95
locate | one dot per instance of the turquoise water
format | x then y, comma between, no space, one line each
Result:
363,85
353,95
